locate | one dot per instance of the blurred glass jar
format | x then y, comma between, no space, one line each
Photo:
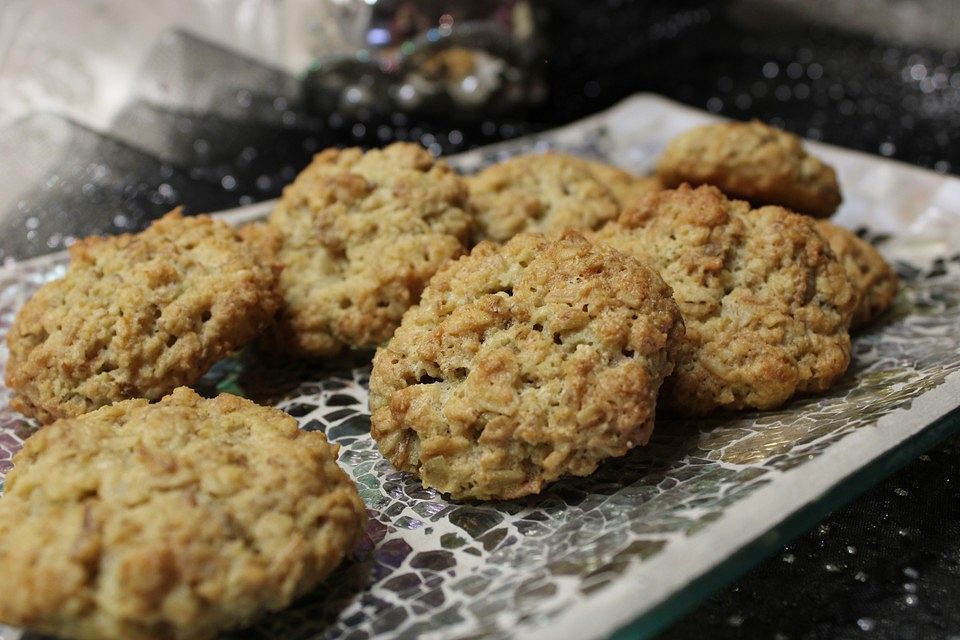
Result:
459,60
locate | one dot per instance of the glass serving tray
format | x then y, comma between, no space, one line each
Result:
647,536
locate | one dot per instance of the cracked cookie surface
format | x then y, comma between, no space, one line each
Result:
874,280
541,193
170,520
137,315
359,235
765,301
522,364
755,162
625,186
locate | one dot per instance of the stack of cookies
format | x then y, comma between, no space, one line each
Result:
527,321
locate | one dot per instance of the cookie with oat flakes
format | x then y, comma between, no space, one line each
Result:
755,162
765,301
137,315
170,520
522,364
626,186
874,280
541,193
359,235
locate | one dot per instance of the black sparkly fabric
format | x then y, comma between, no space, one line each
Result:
894,100
885,566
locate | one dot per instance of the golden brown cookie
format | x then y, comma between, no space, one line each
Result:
626,186
765,302
753,161
522,364
539,193
170,520
360,234
136,316
874,280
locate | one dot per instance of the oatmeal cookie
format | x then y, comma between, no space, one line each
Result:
136,316
625,186
753,161
539,193
765,302
360,236
522,364
874,280
170,520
